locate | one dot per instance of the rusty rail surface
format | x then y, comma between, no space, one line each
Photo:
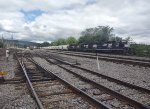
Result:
40,106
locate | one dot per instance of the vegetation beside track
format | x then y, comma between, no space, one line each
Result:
141,49
1,45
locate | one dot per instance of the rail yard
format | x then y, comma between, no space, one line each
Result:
55,79
75,54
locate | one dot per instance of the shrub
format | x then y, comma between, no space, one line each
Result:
141,49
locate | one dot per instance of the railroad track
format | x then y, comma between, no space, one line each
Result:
16,92
98,91
112,56
75,65
121,59
49,91
49,99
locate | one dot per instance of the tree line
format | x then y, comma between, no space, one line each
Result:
97,35
60,41
1,45
63,41
141,49
90,35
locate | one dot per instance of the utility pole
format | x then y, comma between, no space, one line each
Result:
3,42
12,44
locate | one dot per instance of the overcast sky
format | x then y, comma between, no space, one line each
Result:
47,20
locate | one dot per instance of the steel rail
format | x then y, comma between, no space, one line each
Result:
128,61
102,55
107,77
40,106
130,101
92,100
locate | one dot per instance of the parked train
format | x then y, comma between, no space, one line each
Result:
119,47
60,47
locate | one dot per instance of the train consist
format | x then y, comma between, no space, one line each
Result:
119,47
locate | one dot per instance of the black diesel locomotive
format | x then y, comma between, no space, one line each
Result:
117,47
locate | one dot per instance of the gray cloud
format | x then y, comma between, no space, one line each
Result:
63,18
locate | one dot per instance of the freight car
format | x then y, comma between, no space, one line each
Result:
60,47
121,47
117,47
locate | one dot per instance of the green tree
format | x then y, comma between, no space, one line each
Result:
45,44
53,43
61,41
71,40
128,39
115,38
141,49
1,45
97,34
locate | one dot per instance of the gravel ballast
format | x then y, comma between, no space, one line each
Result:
13,96
88,88
133,94
133,74
52,93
